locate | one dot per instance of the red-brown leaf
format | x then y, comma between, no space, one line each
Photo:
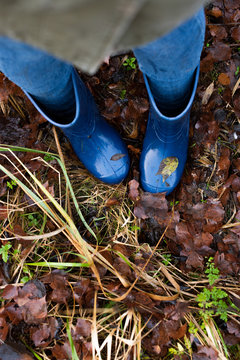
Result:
83,328
215,12
224,79
235,33
133,190
151,205
220,51
218,31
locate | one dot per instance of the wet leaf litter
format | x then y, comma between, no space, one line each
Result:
198,222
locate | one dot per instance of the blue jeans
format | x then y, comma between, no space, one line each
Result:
169,63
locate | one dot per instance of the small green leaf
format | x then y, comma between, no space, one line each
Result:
48,158
24,279
4,251
123,94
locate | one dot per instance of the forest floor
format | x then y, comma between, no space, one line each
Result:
92,271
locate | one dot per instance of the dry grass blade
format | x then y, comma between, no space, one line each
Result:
236,87
15,104
210,337
59,216
36,237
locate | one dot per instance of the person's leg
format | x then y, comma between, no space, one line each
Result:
43,76
170,62
170,66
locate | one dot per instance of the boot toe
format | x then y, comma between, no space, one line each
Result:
117,174
158,187
161,167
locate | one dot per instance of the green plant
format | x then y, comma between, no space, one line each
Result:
28,274
24,279
237,71
212,303
211,271
33,219
167,259
173,203
211,300
220,90
4,249
123,94
214,74
48,157
73,349
11,184
179,350
134,227
192,329
130,63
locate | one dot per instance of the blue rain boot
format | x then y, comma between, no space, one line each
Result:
164,152
96,143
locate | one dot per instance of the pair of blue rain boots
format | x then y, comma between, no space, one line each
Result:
103,153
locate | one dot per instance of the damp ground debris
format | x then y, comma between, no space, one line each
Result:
93,271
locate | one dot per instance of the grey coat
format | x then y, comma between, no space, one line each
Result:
84,32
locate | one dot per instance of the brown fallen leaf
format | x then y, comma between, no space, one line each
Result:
133,190
62,352
203,239
117,157
220,51
112,202
194,260
10,292
224,79
40,335
44,333
31,300
57,280
3,329
205,353
175,331
122,267
151,205
207,94
218,31
112,109
207,63
80,289
215,12
235,33
231,5
4,212
136,151
233,328
82,328
14,313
